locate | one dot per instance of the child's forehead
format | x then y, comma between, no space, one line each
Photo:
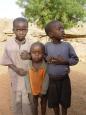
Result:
36,47
17,23
56,24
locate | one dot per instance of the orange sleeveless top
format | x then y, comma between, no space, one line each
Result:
36,80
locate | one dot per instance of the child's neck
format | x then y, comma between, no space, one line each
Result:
36,65
20,42
56,41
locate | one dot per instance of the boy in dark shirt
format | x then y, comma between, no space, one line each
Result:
60,55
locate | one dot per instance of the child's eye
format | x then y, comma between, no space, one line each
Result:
21,29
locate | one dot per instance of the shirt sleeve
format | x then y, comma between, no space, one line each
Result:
73,58
5,60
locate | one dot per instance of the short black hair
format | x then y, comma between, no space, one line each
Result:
51,24
19,19
38,44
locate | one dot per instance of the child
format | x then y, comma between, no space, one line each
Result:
60,55
17,67
38,78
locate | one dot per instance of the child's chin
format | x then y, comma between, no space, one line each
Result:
37,60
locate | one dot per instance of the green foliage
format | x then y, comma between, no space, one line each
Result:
42,11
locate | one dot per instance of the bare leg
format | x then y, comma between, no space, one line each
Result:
64,111
43,109
43,105
57,110
35,108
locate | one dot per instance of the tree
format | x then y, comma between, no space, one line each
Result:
42,11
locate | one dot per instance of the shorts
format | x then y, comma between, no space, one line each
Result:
59,92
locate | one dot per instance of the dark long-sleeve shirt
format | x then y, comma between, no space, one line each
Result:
65,50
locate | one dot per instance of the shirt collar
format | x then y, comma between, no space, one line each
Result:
43,65
20,42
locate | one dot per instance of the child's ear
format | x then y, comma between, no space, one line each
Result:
50,34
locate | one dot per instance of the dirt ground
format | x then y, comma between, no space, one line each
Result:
78,81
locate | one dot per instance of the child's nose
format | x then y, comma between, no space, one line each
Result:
37,53
21,31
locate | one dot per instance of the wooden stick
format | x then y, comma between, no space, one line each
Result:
66,36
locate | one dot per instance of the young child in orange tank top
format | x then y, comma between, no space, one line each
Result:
37,78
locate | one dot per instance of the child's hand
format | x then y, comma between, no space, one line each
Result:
21,71
56,60
25,55
60,60
49,59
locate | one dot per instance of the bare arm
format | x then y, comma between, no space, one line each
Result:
19,71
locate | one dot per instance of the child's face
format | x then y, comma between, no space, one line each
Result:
36,53
57,32
20,29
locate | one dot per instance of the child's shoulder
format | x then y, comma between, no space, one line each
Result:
66,43
10,40
48,43
29,40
